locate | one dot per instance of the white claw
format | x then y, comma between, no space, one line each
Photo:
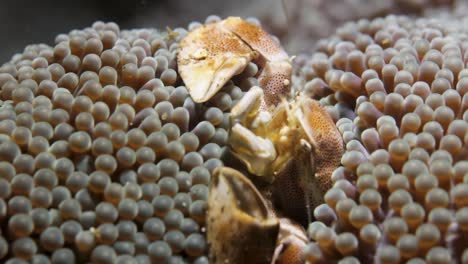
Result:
256,152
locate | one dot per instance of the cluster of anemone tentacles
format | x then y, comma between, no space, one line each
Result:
397,89
104,156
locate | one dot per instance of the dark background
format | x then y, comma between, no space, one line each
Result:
24,22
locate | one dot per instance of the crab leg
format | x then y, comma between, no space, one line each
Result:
248,107
295,191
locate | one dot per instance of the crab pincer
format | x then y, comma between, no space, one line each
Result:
240,226
243,228
212,54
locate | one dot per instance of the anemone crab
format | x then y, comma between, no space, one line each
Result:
290,144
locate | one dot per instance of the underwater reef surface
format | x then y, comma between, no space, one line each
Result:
105,158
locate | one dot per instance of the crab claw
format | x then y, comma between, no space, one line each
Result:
275,66
275,77
209,57
240,226
256,38
212,54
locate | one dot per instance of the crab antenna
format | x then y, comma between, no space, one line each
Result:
285,11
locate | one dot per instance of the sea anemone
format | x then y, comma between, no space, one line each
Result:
104,156
396,87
